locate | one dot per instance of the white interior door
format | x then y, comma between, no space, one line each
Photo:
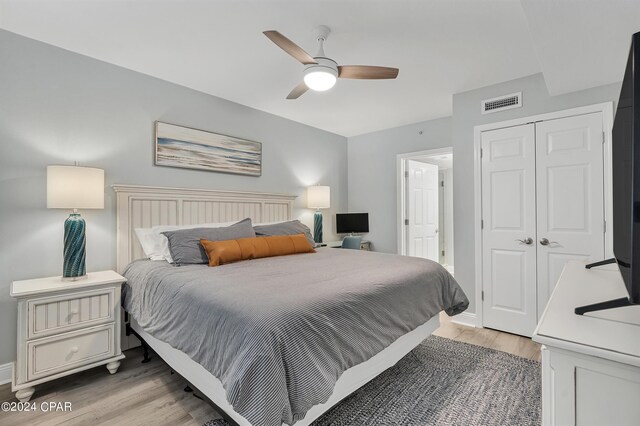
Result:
509,221
441,223
570,196
422,193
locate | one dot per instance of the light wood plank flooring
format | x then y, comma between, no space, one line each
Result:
147,394
488,338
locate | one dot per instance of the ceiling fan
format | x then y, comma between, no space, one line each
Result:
321,72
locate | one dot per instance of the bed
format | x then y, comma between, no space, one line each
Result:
277,340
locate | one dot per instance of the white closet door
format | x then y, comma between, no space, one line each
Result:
422,235
570,196
509,215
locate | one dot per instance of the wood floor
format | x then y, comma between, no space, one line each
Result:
148,394
488,338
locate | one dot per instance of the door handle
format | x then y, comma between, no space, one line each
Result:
528,241
545,242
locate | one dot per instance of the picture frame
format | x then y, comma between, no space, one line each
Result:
189,148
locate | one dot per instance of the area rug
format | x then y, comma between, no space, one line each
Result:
443,382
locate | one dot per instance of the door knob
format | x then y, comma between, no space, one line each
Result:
527,241
544,242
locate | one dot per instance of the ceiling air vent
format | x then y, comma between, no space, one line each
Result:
501,103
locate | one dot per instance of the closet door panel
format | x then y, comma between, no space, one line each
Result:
508,212
570,196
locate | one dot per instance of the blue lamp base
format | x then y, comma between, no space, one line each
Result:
74,248
317,227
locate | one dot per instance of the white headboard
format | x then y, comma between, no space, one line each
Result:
147,206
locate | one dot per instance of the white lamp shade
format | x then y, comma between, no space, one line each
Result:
319,197
73,187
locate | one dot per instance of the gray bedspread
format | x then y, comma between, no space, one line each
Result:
278,332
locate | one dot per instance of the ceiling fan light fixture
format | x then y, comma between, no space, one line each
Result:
322,72
320,79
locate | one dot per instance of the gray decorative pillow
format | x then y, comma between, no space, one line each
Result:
293,227
185,247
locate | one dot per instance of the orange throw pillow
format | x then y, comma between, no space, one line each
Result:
221,252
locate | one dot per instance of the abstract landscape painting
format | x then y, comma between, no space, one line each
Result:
178,146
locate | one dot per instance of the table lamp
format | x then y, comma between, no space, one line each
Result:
318,197
74,187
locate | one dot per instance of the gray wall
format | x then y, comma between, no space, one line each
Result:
372,173
466,115
57,107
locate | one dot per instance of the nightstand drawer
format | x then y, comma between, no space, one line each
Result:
71,311
52,355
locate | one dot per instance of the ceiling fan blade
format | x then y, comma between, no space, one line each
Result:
367,72
290,47
298,91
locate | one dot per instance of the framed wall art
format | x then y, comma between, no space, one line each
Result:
184,147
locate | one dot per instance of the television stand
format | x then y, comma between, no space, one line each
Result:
600,263
590,364
609,304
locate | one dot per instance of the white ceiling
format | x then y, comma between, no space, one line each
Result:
581,43
441,47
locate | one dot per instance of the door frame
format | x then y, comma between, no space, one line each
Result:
401,189
606,108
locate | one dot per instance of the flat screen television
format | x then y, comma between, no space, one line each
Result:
626,175
352,223
626,185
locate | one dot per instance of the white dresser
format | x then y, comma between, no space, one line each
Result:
590,363
65,327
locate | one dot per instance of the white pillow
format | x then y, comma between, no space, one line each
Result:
156,246
150,243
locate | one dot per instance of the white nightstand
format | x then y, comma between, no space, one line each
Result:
65,327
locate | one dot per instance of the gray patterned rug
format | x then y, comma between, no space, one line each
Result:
443,382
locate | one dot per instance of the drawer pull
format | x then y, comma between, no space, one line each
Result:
74,349
74,312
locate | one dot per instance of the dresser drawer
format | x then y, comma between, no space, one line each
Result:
51,355
71,311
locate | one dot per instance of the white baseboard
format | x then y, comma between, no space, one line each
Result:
465,318
5,373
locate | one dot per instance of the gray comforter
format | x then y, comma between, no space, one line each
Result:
278,332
